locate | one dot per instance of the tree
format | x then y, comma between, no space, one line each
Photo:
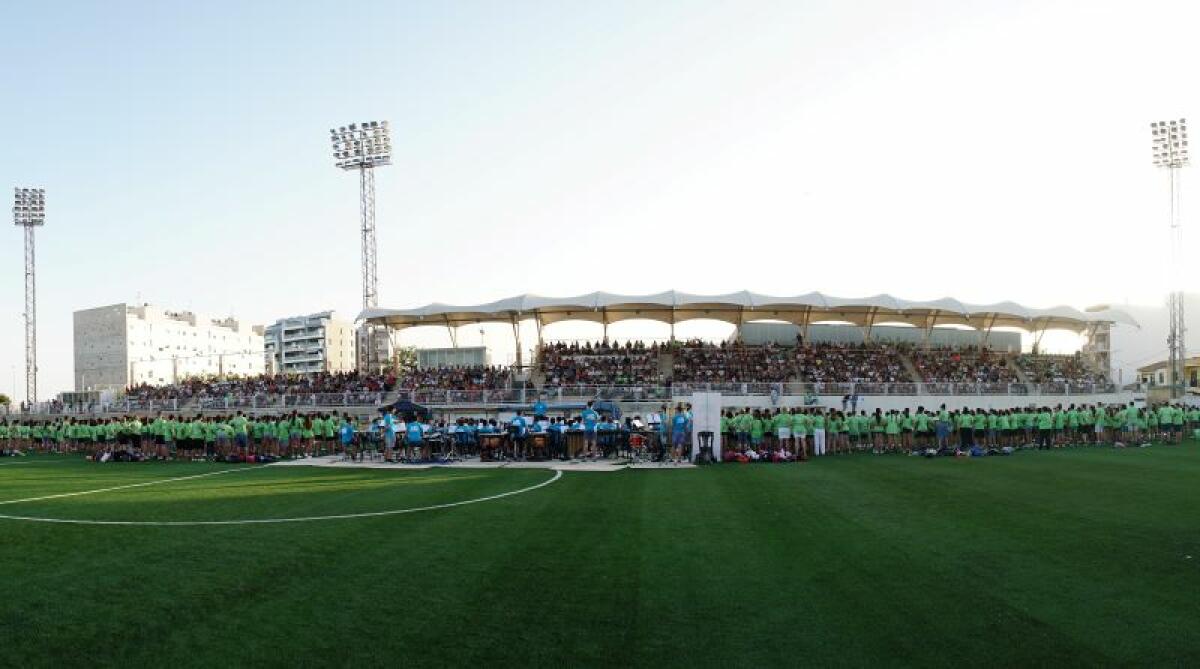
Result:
404,360
4,400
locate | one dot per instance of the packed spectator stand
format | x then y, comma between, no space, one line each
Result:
632,363
1057,369
971,364
845,363
651,370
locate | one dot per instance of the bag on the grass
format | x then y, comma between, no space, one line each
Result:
976,452
1007,450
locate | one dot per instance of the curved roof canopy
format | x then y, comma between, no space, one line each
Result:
742,307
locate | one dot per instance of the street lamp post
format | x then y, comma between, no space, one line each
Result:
363,147
29,212
1170,150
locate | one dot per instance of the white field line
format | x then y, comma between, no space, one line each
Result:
125,487
33,462
266,521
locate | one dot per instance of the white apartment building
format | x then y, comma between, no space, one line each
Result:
315,343
382,342
122,345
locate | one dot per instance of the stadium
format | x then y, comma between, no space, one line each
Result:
295,463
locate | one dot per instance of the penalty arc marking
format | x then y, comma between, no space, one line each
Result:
255,521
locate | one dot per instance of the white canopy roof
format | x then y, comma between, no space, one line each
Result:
737,308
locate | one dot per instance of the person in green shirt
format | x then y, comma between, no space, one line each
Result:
921,423
979,428
330,433
852,430
757,429
1045,428
781,427
1086,423
283,435
817,417
875,425
1131,420
800,424
239,425
837,433
891,431
308,434
906,430
962,425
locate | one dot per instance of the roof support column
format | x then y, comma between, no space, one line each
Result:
986,333
516,325
930,321
804,326
1037,338
453,332
870,324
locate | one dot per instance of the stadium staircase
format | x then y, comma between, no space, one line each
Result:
666,365
1011,361
910,368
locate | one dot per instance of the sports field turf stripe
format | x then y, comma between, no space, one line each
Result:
126,486
255,521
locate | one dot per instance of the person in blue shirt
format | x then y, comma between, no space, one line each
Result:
590,419
558,442
389,434
679,428
346,437
518,429
539,409
414,436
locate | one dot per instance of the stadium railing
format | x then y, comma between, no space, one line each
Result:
571,394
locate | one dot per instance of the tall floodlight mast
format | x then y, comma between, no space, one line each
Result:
1170,147
363,147
29,212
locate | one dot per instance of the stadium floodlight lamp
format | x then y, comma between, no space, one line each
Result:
1169,143
29,206
361,145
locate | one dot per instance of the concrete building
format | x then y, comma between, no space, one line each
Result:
315,343
122,345
1159,374
383,348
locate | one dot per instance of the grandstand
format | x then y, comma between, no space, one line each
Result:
804,346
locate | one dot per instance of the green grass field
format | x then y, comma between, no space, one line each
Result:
1080,556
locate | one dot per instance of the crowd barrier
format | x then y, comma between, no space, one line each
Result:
580,393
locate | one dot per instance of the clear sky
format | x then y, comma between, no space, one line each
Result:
981,150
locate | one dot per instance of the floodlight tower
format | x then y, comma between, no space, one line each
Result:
29,212
363,147
1170,147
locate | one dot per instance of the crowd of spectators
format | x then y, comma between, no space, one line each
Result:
601,364
265,386
969,364
700,362
477,377
843,363
638,364
1057,369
